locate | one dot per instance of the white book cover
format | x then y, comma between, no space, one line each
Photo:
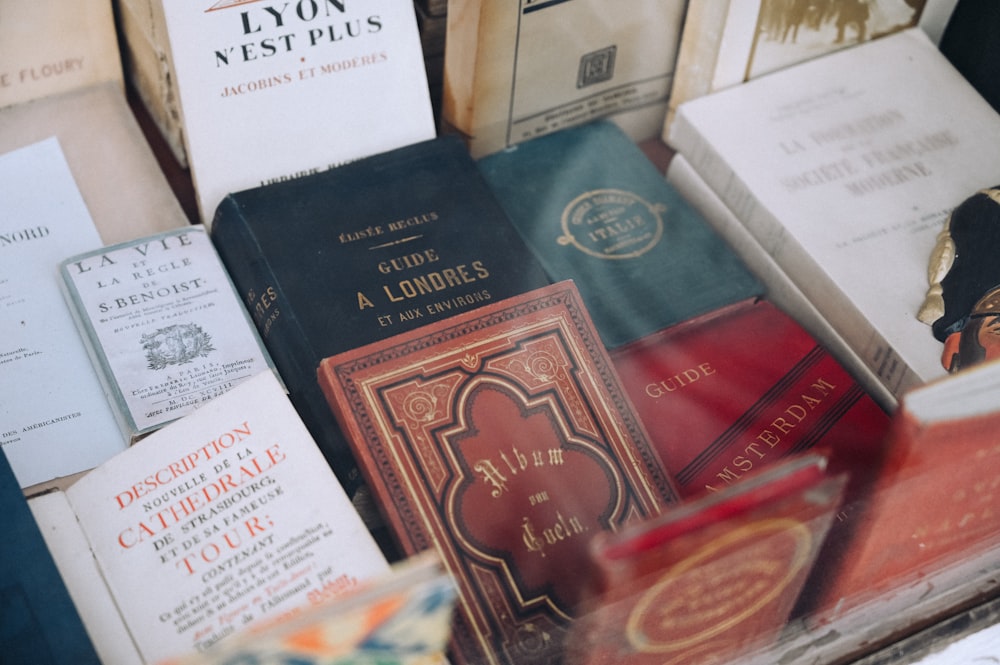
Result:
164,324
845,168
270,92
54,418
226,519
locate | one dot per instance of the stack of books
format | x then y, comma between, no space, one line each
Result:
547,332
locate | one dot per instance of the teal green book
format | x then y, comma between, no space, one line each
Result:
594,209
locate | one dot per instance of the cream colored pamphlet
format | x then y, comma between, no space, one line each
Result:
270,92
225,519
164,325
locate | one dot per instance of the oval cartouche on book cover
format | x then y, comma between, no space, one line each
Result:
594,209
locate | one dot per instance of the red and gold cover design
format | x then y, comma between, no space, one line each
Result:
502,438
740,388
712,580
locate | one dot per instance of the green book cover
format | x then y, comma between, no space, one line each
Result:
594,209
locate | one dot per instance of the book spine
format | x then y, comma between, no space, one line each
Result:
704,23
872,347
148,66
460,59
275,319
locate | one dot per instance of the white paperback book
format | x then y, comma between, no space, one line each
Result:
226,519
844,168
54,418
164,325
270,92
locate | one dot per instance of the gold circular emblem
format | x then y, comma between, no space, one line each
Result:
612,224
721,585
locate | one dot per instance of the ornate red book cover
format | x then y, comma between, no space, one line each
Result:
501,437
712,580
738,389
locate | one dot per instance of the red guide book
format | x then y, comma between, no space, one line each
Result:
740,388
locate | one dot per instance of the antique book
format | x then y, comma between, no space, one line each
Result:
433,29
739,389
725,43
594,209
778,288
502,438
709,581
516,70
400,618
222,520
164,325
433,7
41,625
338,259
119,178
54,419
941,455
921,539
270,93
149,68
51,47
846,180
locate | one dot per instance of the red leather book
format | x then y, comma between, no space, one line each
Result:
739,389
710,581
927,525
502,438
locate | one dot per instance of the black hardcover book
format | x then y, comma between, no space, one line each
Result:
39,624
335,260
971,42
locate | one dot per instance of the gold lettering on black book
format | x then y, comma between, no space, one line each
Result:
263,308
